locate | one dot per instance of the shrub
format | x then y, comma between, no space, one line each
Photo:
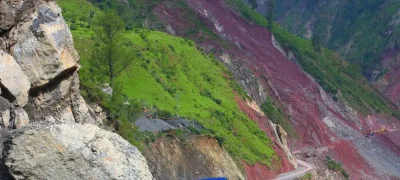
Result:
276,115
73,26
307,176
220,140
335,166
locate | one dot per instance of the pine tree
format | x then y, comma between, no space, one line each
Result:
110,56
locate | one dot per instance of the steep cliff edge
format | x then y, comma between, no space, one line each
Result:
41,136
37,46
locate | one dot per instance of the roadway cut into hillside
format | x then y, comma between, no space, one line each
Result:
318,119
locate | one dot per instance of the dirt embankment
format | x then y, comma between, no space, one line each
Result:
198,157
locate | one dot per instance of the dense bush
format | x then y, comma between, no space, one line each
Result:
277,116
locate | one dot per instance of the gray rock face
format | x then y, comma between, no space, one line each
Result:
20,118
36,45
70,151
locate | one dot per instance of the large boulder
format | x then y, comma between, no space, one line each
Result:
69,151
42,45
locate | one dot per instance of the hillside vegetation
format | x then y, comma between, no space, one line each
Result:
331,72
168,68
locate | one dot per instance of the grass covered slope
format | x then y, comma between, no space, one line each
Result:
331,72
78,12
167,66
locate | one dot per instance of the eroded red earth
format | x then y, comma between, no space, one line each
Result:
301,96
318,119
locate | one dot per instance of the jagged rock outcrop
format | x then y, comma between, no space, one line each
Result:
70,151
282,142
41,109
37,47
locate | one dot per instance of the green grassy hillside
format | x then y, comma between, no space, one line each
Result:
168,66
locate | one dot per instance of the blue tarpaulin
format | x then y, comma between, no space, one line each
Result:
218,178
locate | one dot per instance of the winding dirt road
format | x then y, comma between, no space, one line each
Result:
303,168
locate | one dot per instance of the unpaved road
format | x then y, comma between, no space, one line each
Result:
303,168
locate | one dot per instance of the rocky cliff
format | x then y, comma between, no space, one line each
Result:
36,46
41,107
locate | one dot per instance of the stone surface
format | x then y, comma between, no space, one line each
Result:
82,113
13,79
70,151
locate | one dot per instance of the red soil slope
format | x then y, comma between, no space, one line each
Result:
311,110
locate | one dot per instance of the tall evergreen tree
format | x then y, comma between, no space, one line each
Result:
110,56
